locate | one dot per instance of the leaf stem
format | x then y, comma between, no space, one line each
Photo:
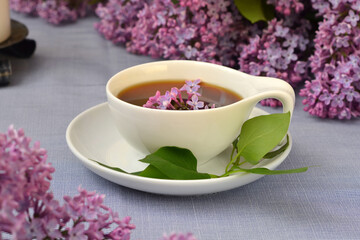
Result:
232,161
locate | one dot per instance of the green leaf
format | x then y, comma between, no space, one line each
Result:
255,10
265,171
261,134
168,163
175,163
152,172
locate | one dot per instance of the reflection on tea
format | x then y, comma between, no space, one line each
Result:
209,94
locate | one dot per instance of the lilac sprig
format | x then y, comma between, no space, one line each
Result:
175,100
28,209
335,90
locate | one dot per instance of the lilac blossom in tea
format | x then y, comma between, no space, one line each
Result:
193,95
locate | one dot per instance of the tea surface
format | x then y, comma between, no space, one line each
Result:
210,94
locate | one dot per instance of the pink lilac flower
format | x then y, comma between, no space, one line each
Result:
28,209
335,62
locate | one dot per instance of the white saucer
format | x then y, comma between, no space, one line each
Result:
93,135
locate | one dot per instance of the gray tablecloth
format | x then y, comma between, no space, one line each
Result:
67,75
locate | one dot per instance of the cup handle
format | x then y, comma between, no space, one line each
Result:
268,87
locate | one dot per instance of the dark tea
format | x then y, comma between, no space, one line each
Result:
210,94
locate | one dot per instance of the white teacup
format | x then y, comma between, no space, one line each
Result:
205,132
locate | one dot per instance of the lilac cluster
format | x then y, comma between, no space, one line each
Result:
53,11
279,51
117,19
335,91
28,209
188,29
175,100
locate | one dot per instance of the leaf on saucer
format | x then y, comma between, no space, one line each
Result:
259,135
175,163
152,172
168,163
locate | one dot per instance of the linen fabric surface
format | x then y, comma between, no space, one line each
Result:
67,75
